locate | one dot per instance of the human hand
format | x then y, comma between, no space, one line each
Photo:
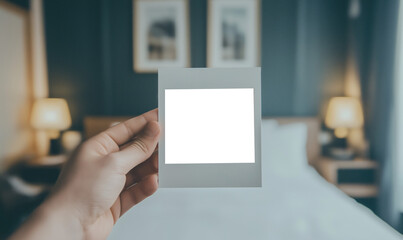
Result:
108,174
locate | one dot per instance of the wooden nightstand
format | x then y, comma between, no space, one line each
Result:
363,179
49,160
38,170
357,178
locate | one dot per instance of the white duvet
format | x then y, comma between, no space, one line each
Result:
294,203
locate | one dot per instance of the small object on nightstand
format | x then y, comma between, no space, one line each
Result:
70,140
342,153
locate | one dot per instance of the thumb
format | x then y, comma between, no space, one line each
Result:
139,150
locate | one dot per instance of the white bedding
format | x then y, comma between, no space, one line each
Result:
300,205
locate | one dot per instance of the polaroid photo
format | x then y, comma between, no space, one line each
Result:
210,120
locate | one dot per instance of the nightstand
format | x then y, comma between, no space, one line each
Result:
51,160
38,170
357,178
24,186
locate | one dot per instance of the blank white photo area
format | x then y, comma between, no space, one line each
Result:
206,126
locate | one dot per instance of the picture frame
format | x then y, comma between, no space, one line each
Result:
233,34
160,34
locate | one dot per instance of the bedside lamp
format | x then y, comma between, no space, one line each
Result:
50,115
344,113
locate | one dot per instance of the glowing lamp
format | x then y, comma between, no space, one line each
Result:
344,113
51,115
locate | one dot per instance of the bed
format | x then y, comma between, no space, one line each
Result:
295,202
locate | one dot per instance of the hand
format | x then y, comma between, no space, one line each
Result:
108,174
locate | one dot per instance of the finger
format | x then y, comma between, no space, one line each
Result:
130,143
142,170
139,151
112,138
138,192
126,130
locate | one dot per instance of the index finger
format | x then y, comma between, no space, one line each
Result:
125,131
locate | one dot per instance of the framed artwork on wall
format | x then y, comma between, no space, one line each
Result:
160,34
233,33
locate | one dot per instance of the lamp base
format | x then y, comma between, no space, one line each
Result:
341,132
55,147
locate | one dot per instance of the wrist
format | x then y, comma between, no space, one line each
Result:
57,207
50,222
61,218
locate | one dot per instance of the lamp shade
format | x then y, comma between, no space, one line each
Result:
50,114
344,112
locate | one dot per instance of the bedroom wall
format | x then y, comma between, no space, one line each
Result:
20,3
89,51
16,137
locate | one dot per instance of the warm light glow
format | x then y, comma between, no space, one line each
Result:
344,112
341,132
51,114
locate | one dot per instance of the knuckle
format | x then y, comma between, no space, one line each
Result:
141,145
103,144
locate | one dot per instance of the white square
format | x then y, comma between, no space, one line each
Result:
206,126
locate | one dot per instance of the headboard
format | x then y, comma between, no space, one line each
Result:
94,125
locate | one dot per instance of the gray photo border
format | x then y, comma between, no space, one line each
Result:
210,175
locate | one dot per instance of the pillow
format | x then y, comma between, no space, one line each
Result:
268,125
284,149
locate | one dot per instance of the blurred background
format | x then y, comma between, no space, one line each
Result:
71,68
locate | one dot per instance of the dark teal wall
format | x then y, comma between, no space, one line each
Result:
321,54
89,50
74,55
21,3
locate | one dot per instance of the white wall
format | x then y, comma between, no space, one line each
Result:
15,85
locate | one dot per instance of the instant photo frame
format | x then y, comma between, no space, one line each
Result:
188,94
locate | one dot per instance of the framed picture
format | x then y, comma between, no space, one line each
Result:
233,33
161,34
